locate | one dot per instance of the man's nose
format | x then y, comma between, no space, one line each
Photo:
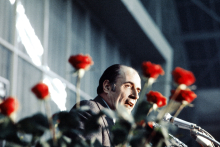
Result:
135,94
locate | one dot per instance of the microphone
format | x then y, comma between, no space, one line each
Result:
200,138
199,134
179,122
176,141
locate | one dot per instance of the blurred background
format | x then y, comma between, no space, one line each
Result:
38,36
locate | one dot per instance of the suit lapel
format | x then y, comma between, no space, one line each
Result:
107,121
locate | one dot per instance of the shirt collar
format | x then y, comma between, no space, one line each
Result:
109,108
106,103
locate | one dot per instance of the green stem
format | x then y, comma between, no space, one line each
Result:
151,109
130,134
143,92
179,110
153,133
147,85
33,140
78,92
171,102
50,121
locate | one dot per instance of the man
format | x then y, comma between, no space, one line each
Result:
119,84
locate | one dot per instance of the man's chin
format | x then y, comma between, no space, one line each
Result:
129,109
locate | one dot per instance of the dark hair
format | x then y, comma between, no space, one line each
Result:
111,73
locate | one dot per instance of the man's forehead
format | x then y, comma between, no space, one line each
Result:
124,71
128,74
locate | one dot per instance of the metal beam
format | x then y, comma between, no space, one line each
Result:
210,12
149,27
203,62
154,34
200,36
210,66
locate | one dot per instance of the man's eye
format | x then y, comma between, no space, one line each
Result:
128,86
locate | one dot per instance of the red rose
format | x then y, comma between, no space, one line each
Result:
184,95
157,98
182,76
80,61
151,70
8,106
151,124
41,90
141,123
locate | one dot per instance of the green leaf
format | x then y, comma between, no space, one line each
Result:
12,144
120,131
156,136
79,143
7,127
42,144
119,135
123,125
67,121
35,125
96,143
41,120
142,111
8,132
110,113
62,141
92,124
138,141
123,113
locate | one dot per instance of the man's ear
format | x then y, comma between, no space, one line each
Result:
106,86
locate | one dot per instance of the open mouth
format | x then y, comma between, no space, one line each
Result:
129,104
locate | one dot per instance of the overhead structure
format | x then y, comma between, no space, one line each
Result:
133,26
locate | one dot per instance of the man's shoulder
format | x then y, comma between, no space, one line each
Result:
87,102
90,103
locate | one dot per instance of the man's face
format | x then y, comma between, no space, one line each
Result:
127,87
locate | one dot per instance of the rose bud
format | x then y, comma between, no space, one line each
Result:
9,106
151,124
156,98
151,70
182,76
41,91
80,61
184,95
141,123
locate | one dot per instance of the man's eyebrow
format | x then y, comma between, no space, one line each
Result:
132,84
129,82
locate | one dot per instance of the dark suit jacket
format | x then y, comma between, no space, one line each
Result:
103,135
